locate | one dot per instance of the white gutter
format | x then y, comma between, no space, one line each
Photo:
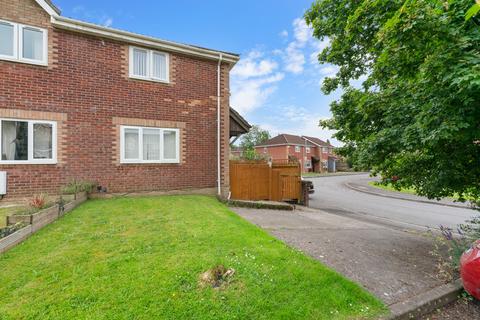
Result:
133,38
219,133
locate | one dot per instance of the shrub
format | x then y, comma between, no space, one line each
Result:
38,201
77,186
449,247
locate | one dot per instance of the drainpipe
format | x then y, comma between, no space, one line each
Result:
219,133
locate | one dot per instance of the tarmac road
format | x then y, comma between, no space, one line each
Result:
333,195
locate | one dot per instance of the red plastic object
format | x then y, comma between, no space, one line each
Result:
470,270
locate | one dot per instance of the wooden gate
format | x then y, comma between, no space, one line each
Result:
258,180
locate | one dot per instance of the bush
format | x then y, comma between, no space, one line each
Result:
77,186
38,201
449,247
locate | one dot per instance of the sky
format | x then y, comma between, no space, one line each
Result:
277,82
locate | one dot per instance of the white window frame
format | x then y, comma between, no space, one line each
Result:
297,149
149,76
325,150
140,160
31,160
15,42
307,149
18,44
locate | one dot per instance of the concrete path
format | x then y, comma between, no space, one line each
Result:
392,263
334,196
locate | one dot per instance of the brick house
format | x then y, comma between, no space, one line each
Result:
133,113
314,155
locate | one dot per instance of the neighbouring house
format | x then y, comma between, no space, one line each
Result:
131,112
314,155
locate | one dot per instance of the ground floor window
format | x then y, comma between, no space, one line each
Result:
308,164
28,141
149,145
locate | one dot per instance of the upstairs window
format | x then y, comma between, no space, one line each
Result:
307,150
149,65
28,141
23,43
149,145
325,150
297,149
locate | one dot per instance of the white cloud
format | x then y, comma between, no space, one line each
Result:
254,80
250,94
294,59
301,31
251,67
93,16
328,70
284,34
107,22
318,46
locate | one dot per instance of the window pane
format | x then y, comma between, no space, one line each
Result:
32,44
159,66
131,144
14,140
151,144
170,145
6,39
140,62
42,141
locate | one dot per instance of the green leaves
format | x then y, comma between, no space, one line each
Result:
474,10
418,113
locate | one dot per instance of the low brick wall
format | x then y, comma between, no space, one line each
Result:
37,221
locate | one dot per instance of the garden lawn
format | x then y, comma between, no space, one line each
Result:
140,258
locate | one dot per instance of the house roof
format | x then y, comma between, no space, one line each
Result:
286,139
235,116
93,29
317,141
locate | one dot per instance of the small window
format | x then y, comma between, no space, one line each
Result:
297,149
149,145
140,63
308,164
265,150
23,43
149,65
28,141
7,39
307,150
325,150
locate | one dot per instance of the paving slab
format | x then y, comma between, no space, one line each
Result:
393,263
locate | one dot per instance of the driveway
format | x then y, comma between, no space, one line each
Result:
335,195
393,264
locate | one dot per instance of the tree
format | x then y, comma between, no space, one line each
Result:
255,136
417,114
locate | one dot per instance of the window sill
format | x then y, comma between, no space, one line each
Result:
23,61
149,162
28,163
149,79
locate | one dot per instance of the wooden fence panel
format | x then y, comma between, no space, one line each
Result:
249,181
258,181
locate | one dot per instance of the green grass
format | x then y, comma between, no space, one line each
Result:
141,258
389,187
4,212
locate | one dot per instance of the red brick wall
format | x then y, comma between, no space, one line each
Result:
87,83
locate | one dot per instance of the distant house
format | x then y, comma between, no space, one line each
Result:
314,154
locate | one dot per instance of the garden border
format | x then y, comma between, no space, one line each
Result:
37,221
